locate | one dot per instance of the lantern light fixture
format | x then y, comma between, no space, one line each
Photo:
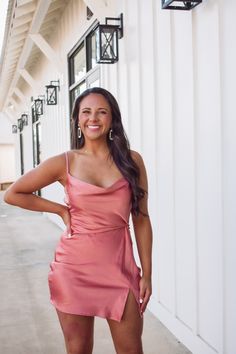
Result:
38,106
107,36
14,129
180,4
52,92
20,124
24,118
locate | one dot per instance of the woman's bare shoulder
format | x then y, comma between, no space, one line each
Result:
51,170
53,166
136,156
55,161
143,174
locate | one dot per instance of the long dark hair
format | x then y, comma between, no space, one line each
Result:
119,147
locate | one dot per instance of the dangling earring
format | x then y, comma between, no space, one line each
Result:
110,134
79,132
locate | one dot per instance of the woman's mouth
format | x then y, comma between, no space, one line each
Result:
93,127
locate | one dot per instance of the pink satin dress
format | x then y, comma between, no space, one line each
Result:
94,267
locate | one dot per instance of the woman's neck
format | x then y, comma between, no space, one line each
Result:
95,148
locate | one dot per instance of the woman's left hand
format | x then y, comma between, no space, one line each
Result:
145,286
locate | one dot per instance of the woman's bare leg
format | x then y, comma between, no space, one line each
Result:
127,333
78,332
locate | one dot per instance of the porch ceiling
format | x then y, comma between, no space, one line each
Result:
24,17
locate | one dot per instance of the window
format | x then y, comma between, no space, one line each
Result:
91,45
83,68
78,65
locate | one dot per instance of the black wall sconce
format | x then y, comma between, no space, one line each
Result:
14,129
180,4
20,124
38,106
51,92
24,118
107,36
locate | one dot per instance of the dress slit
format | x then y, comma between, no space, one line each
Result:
130,291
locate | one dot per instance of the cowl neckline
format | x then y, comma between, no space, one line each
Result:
117,182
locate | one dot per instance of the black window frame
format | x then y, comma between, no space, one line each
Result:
83,42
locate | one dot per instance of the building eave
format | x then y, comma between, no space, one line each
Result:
24,19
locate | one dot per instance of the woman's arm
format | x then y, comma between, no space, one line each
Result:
20,193
143,236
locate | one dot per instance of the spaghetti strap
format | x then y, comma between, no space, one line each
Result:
67,162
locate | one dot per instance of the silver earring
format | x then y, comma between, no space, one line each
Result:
79,132
110,134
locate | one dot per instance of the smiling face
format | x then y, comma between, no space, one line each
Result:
95,116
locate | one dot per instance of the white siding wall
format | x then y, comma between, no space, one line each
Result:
174,82
7,151
177,115
6,136
7,163
227,51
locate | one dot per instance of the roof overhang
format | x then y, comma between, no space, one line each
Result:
29,25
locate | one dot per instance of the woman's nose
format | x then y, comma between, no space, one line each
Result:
93,116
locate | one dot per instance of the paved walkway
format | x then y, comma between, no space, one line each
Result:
28,322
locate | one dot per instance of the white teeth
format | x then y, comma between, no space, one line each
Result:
93,126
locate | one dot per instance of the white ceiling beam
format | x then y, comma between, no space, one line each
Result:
23,2
22,20
11,67
39,15
29,79
56,5
18,30
14,50
15,45
24,9
47,50
20,94
18,38
13,60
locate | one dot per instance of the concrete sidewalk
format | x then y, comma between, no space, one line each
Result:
28,322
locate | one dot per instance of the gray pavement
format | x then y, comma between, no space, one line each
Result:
28,322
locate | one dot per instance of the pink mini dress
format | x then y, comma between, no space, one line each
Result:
94,267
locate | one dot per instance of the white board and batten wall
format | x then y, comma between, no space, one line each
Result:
175,85
7,151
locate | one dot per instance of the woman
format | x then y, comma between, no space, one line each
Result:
94,272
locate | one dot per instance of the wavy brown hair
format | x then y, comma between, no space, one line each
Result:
119,147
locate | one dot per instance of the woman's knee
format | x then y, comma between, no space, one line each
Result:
78,333
135,348
80,346
78,343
